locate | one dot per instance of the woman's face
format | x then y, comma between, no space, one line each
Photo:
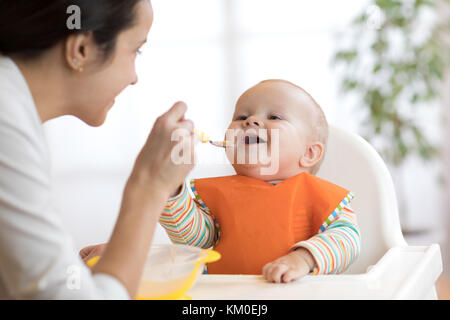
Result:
100,84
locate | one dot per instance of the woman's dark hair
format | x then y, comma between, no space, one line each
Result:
30,27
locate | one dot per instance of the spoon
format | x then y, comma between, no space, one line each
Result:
205,139
221,144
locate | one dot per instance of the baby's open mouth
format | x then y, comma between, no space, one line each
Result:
253,140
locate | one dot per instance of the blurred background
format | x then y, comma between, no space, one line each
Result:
377,68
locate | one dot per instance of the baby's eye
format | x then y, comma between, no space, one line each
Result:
273,117
241,118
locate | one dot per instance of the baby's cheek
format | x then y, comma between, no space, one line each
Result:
289,149
282,140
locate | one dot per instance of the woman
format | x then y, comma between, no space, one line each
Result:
48,70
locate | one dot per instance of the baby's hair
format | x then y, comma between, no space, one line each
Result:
320,124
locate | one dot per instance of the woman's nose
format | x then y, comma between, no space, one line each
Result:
135,80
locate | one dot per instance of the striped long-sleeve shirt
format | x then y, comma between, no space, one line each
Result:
336,245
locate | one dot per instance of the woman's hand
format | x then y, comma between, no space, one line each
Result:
90,252
155,176
158,162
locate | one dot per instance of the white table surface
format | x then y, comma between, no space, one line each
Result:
402,273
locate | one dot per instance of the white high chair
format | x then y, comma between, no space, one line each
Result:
387,267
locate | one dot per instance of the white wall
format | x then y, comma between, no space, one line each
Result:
204,52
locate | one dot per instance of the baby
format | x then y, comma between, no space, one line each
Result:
282,223
273,217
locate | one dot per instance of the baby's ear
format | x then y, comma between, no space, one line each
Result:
312,155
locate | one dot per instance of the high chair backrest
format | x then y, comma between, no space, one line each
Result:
353,163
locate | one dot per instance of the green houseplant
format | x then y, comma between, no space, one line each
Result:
401,74
393,59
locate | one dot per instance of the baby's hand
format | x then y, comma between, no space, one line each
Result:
290,267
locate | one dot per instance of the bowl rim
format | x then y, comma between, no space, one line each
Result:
201,252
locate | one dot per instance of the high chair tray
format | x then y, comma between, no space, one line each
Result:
408,272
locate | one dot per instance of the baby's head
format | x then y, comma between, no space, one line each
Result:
301,126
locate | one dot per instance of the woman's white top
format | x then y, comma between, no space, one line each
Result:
38,259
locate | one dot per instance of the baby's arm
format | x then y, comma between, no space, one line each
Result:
328,252
186,222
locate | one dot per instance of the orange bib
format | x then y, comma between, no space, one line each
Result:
260,222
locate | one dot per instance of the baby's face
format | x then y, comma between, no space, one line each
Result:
272,106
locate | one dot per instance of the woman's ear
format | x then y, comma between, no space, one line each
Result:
312,155
79,50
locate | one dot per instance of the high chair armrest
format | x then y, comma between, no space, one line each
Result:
423,267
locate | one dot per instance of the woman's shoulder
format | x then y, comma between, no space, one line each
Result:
16,102
21,133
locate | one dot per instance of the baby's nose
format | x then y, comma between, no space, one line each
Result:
253,121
